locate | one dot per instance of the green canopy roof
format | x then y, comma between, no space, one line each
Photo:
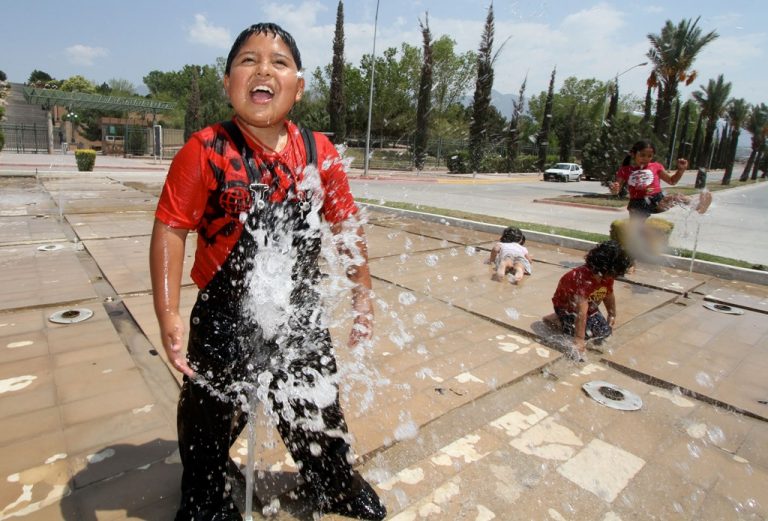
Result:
80,100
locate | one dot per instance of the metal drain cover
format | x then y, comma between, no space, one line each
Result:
723,308
71,316
612,395
50,247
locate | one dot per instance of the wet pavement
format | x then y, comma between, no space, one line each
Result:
469,408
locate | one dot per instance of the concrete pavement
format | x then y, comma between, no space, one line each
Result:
466,409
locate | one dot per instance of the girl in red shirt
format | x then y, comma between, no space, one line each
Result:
643,178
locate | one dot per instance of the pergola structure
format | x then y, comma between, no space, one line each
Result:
48,98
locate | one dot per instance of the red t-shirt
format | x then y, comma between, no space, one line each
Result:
198,170
642,182
581,283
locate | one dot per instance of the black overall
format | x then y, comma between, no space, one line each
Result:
227,347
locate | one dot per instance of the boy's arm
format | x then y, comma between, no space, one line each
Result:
682,166
166,263
610,306
582,306
359,274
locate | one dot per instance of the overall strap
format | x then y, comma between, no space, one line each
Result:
310,147
245,151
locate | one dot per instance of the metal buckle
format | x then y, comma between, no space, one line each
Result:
258,190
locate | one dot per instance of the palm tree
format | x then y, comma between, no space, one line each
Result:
757,125
737,112
712,99
672,54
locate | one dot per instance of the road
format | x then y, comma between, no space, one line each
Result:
735,225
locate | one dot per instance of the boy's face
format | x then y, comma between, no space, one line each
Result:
263,82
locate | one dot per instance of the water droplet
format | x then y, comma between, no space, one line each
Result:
406,298
431,260
704,380
512,313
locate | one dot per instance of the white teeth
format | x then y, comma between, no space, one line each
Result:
262,88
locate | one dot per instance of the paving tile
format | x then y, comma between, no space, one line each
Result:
35,493
736,293
109,226
671,498
29,395
106,404
36,278
28,453
30,425
32,229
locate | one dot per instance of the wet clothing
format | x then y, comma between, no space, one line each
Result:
207,189
580,283
256,328
515,251
644,185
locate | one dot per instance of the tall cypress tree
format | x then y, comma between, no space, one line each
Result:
546,123
482,100
425,99
695,149
513,137
682,149
648,104
336,102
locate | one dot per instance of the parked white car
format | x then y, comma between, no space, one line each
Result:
563,172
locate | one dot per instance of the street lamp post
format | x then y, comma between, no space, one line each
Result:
616,82
370,96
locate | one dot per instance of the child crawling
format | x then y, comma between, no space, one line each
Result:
509,255
579,294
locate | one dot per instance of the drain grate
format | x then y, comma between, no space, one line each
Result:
50,247
723,308
71,316
612,395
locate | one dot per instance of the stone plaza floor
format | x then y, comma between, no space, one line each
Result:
469,408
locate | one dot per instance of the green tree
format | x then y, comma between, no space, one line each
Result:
39,78
513,137
737,112
3,76
712,99
424,103
672,54
481,103
192,114
546,122
336,105
78,84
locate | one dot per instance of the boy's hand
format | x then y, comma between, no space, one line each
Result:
172,333
682,164
614,187
611,319
580,345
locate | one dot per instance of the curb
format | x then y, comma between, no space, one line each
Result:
721,271
580,205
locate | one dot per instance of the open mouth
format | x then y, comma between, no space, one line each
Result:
262,94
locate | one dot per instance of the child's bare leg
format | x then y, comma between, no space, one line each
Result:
553,321
705,199
504,266
519,271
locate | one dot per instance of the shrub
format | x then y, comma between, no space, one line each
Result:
2,141
458,163
85,160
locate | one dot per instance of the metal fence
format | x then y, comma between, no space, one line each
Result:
23,138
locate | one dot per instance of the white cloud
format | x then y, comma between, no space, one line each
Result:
84,55
203,32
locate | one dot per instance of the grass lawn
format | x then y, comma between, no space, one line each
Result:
565,232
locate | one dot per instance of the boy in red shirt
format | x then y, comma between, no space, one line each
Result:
250,191
580,292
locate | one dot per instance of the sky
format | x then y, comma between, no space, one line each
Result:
587,39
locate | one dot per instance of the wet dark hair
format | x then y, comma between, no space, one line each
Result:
608,259
512,234
637,147
266,28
